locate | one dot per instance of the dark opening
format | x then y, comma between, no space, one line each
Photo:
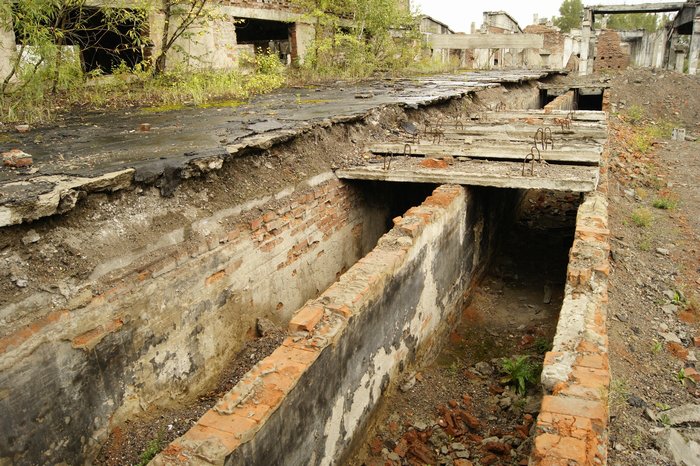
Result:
545,98
104,40
589,102
265,36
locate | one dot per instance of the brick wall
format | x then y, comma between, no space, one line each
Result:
609,53
158,322
572,425
304,403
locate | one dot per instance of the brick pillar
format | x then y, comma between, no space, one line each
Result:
694,55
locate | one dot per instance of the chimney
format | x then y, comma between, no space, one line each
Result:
473,29
535,18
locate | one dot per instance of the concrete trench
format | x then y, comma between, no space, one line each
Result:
369,278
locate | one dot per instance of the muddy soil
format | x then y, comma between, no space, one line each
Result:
461,409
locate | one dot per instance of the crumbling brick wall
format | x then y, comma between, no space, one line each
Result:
610,55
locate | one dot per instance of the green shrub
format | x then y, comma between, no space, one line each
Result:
642,217
519,372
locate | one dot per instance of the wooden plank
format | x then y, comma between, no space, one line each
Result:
514,152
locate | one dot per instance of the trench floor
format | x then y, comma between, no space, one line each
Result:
459,409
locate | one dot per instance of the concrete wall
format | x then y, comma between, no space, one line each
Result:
648,50
157,322
307,401
7,52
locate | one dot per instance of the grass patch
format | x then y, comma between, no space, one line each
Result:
634,114
665,203
642,217
125,88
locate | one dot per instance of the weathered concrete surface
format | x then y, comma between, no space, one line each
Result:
310,397
578,154
486,41
659,7
151,324
494,174
187,143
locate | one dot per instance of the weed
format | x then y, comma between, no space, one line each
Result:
662,406
645,244
681,377
542,345
657,347
519,372
642,217
637,441
665,419
635,114
152,449
619,392
665,203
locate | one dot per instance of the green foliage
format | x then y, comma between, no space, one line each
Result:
542,345
633,21
152,449
381,37
642,217
519,372
571,12
665,203
634,114
657,347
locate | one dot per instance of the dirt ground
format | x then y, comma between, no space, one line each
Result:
460,409
655,283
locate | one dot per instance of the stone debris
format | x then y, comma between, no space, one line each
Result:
16,158
672,443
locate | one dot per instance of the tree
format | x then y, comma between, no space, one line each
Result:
44,28
571,12
178,17
633,21
358,37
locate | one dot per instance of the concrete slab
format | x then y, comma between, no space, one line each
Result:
472,173
582,154
194,140
577,116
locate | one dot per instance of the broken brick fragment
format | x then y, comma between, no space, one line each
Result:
433,163
16,158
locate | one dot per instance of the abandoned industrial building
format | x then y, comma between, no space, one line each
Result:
492,265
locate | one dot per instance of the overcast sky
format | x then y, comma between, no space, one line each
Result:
459,14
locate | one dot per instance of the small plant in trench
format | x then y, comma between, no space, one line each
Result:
152,449
657,347
642,217
542,345
519,372
681,376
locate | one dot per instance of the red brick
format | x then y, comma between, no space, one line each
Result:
256,223
565,448
215,277
594,410
433,163
306,318
90,338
